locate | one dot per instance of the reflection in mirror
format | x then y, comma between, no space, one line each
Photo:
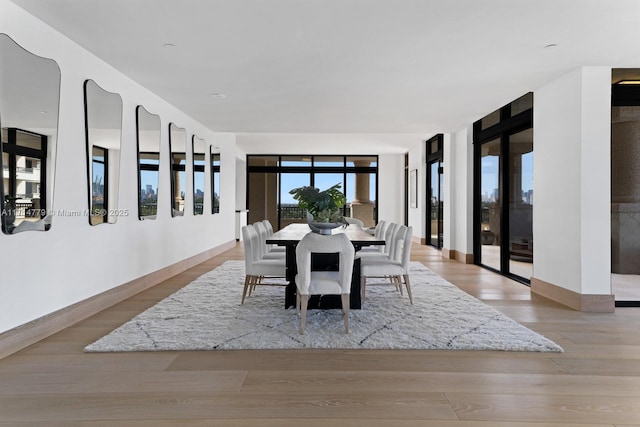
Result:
148,126
178,152
198,146
29,103
215,179
103,129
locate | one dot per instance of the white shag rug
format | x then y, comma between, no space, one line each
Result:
207,315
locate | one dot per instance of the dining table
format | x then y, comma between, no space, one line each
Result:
289,237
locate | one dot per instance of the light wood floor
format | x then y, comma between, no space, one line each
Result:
596,382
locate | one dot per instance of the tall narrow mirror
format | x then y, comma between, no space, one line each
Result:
29,103
103,130
148,126
198,146
214,157
178,154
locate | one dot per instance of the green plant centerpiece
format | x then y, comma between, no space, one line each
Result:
324,208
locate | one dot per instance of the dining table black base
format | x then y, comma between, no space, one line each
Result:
326,262
289,238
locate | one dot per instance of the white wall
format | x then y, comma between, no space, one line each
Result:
571,216
45,271
391,188
418,160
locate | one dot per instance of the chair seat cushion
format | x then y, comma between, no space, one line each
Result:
268,267
371,257
324,283
274,255
387,268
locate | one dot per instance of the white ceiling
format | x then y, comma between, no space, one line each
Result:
346,66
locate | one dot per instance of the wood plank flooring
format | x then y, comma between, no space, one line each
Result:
595,382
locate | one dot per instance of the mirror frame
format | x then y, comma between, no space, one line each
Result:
34,114
142,140
111,161
173,166
199,156
214,163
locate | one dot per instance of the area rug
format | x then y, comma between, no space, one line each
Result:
207,315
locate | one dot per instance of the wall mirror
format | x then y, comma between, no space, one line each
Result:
148,131
178,152
29,104
214,156
198,146
103,130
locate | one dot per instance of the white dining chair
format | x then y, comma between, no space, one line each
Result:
269,227
389,235
378,233
310,282
395,268
265,251
257,269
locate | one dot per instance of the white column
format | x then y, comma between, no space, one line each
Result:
572,184
458,204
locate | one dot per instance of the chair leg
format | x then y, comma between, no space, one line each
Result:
363,283
345,311
247,280
408,285
397,282
304,301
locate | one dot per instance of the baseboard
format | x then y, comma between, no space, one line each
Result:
457,255
23,336
592,303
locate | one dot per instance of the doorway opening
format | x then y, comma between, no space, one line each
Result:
625,187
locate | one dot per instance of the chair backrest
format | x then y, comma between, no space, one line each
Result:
406,249
316,243
253,242
248,247
268,226
388,237
380,228
395,250
262,237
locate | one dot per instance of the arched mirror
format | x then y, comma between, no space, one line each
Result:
198,146
178,154
148,127
29,103
103,130
214,157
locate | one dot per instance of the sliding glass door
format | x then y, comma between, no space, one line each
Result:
521,203
503,220
435,191
490,224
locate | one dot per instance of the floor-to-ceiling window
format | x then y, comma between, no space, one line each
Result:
271,178
435,191
503,190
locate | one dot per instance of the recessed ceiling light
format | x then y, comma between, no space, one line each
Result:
551,45
168,45
218,95
43,112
